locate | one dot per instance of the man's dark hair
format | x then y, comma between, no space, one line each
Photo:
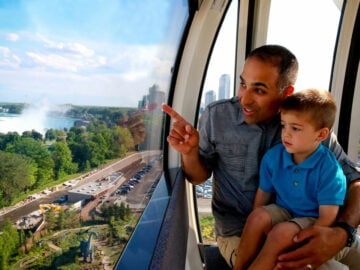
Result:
281,58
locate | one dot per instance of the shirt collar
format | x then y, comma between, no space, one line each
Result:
308,163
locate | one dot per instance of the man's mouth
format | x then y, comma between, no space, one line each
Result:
248,112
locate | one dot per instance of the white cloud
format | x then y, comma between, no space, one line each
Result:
12,37
75,48
71,56
4,51
8,59
54,61
94,74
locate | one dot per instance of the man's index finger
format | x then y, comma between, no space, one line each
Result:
172,113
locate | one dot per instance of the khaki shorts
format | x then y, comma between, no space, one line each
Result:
349,257
279,214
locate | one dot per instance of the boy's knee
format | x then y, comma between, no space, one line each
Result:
259,216
283,232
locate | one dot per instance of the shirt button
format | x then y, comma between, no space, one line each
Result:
296,170
296,183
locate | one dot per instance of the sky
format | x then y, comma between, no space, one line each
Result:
105,53
310,33
293,24
85,52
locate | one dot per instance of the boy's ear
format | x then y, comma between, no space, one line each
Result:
323,134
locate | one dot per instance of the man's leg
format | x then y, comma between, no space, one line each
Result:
350,256
228,248
333,265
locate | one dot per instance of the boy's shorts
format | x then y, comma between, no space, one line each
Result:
279,214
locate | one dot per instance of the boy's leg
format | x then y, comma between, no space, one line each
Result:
279,239
258,224
228,245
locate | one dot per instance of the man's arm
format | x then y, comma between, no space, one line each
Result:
351,212
184,138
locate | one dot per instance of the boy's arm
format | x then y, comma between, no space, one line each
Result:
261,198
327,215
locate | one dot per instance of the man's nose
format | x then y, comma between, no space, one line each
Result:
245,97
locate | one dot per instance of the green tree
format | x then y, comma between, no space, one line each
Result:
50,219
61,220
36,150
52,134
79,143
62,157
72,219
32,134
98,148
16,176
9,138
9,242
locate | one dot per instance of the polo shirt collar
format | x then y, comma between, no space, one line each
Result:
309,163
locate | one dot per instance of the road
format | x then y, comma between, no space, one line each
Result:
204,206
15,213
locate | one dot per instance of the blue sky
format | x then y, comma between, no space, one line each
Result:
85,52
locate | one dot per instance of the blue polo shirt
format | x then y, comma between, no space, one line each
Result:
301,188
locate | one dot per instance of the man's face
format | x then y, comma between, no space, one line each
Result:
259,97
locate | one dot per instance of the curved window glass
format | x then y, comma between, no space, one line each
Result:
81,84
311,39
219,84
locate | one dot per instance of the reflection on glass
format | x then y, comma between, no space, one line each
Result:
81,84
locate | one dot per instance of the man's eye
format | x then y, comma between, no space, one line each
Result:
260,91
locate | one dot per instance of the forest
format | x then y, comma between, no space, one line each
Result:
31,161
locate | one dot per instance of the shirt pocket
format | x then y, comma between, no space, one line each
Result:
232,156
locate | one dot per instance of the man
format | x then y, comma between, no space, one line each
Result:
234,135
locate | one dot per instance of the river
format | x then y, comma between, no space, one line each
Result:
37,121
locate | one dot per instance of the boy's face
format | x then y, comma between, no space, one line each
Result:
259,97
299,135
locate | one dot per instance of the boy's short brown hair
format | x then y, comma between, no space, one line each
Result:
318,104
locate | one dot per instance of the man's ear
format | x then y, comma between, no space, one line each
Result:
323,134
288,90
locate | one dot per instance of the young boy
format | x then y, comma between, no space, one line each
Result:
305,177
